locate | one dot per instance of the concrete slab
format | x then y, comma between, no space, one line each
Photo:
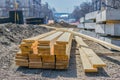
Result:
108,15
91,15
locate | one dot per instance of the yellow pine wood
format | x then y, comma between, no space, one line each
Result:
87,66
64,38
94,59
22,64
51,37
32,39
48,58
35,64
80,42
91,55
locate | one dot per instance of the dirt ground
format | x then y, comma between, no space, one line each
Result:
9,47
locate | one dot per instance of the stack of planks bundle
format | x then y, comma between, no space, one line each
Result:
29,47
46,48
42,51
89,59
62,49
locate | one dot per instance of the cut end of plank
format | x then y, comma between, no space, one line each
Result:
91,70
101,65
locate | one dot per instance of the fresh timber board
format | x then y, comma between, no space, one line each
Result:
62,49
65,38
87,66
91,55
48,42
33,39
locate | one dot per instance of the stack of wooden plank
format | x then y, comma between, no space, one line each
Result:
46,48
49,51
21,59
35,61
62,49
89,58
28,47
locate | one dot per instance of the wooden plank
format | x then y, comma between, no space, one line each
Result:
80,42
21,60
25,44
61,67
34,56
63,49
86,37
64,38
35,60
32,39
21,54
48,66
48,58
87,66
62,58
22,64
94,59
20,57
35,64
50,38
62,64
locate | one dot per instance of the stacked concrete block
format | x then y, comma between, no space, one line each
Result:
108,23
81,26
90,26
115,41
109,16
90,20
100,29
82,21
91,15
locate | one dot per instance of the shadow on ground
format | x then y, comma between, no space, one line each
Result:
112,60
101,73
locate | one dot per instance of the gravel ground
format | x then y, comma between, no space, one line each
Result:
9,71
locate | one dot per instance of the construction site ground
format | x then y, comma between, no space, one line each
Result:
11,36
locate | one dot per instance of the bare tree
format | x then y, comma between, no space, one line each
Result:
115,4
46,12
111,4
81,10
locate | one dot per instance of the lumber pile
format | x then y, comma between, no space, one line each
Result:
48,51
62,49
28,47
46,47
89,58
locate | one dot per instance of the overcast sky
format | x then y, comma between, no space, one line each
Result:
64,5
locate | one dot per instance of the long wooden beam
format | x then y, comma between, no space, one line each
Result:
94,59
64,38
32,39
87,66
86,37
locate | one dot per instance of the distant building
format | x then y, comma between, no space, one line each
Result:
96,5
61,17
30,8
105,4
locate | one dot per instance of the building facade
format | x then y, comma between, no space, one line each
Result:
30,8
105,4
